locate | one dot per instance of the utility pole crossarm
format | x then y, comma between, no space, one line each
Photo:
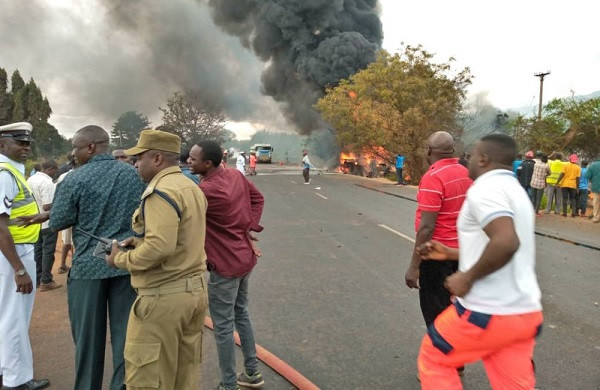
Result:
541,75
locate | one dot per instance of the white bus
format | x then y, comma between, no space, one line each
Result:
264,152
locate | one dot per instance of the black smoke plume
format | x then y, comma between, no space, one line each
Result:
307,44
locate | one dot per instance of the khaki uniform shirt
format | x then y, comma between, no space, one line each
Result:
170,232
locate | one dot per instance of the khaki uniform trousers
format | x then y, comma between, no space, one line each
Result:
163,349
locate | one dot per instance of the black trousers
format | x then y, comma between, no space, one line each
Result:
434,297
44,255
306,174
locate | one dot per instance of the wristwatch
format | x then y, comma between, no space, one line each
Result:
21,272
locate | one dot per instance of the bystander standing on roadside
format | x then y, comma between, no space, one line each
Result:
569,182
43,191
400,169
99,197
234,210
525,172
582,200
593,175
517,163
17,264
185,169
553,190
541,170
167,270
119,155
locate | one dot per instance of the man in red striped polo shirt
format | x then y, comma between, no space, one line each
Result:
442,191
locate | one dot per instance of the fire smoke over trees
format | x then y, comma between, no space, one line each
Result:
308,46
100,58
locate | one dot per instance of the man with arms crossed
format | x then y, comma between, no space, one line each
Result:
17,264
163,349
234,210
497,312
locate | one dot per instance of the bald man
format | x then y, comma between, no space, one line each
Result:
119,155
497,312
99,197
442,191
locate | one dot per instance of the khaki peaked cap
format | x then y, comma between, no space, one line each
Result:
156,140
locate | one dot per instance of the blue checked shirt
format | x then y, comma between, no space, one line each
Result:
99,197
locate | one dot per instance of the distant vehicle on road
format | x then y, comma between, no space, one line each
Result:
264,152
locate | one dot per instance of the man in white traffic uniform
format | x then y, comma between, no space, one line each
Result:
240,162
17,264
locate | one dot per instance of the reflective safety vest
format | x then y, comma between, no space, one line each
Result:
22,205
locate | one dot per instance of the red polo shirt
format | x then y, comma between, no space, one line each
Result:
234,208
442,190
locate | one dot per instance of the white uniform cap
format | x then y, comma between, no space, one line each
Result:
20,131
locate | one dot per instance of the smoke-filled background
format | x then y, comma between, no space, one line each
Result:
308,45
256,58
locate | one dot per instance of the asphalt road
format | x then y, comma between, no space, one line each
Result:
328,295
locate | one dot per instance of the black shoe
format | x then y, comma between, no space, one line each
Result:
31,385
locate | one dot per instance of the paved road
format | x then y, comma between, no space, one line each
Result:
328,296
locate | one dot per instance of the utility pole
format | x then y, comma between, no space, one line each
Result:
541,75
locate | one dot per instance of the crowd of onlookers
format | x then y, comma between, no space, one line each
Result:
567,183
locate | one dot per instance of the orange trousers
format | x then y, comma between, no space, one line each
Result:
504,342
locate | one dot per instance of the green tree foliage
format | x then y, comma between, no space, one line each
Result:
582,120
395,104
194,118
531,134
24,102
126,130
569,124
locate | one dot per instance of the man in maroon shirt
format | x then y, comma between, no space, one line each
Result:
442,191
234,210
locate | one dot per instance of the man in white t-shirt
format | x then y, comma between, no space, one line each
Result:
43,191
497,311
240,162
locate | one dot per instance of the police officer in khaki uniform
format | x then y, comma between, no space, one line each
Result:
163,349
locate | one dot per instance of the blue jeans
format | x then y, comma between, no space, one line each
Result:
228,305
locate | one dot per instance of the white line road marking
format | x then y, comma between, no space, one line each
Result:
397,233
293,182
324,197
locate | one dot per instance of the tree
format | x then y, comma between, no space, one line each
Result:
569,124
26,103
395,104
194,118
126,130
582,124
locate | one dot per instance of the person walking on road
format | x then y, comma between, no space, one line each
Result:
442,191
240,162
593,175
43,191
569,181
306,167
17,264
252,163
399,169
497,313
167,270
234,210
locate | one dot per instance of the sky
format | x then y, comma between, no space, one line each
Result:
94,61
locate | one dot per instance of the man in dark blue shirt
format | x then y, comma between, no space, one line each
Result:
100,198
